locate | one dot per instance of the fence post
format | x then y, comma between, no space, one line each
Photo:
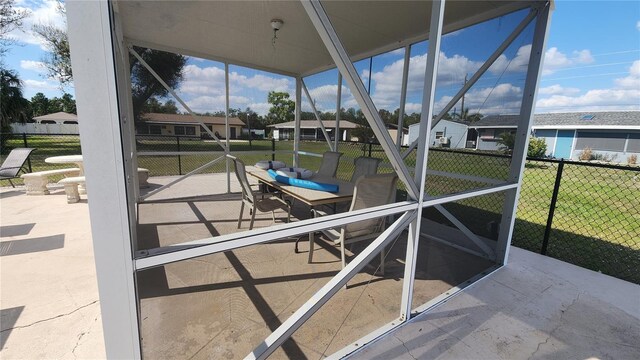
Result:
273,149
552,208
24,141
370,144
179,158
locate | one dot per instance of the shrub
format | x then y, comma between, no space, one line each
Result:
586,154
506,140
632,159
537,148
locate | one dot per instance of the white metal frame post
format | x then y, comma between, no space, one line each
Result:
298,116
337,135
431,74
519,156
97,99
403,94
226,123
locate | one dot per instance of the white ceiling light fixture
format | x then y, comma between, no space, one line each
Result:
276,24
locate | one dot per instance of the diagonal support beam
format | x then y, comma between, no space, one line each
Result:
331,40
468,233
487,64
293,323
173,93
315,112
195,171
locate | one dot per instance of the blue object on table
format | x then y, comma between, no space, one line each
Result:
307,184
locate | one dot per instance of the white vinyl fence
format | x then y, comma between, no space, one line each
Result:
33,128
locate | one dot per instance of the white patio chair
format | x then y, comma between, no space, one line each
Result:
270,204
364,166
370,190
329,164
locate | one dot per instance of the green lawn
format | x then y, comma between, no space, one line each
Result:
596,224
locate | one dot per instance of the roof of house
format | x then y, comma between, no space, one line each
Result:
313,124
59,116
187,119
575,120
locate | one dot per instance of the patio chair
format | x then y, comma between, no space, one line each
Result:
370,190
364,166
270,204
14,163
329,164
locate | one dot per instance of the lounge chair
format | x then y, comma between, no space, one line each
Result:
370,190
14,163
270,204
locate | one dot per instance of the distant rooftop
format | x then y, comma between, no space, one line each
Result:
313,124
605,119
59,116
187,119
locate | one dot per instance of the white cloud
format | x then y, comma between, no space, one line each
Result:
260,108
210,81
42,12
411,108
555,60
37,66
625,95
325,97
638,25
31,84
592,100
633,80
518,64
557,89
216,103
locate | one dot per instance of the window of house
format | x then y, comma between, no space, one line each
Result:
179,130
71,122
155,130
47,122
603,141
487,134
190,130
439,134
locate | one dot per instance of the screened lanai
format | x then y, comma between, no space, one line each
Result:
181,276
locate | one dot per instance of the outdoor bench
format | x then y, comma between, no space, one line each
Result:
36,182
71,188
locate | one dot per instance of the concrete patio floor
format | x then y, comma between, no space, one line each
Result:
535,307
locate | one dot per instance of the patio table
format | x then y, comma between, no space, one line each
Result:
307,196
69,159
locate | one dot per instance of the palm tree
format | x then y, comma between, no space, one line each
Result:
14,107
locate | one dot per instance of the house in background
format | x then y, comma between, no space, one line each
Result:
310,130
184,125
55,123
393,131
446,133
57,118
611,134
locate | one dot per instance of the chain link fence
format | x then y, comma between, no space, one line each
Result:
583,213
586,214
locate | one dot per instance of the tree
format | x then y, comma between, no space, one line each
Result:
39,104
143,85
15,108
507,141
57,61
10,19
152,105
537,148
282,108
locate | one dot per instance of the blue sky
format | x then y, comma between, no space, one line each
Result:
592,63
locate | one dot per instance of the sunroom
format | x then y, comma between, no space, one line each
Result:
182,270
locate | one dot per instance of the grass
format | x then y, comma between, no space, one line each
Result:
596,223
